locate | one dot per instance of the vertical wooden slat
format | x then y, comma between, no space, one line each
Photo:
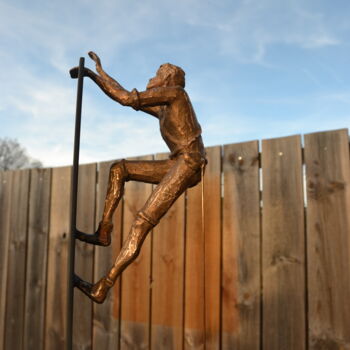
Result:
38,231
5,206
194,272
135,308
57,259
195,312
168,277
82,316
241,248
107,316
15,298
283,245
328,229
212,226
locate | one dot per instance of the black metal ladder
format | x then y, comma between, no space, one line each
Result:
74,199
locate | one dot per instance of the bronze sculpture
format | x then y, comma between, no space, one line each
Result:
166,99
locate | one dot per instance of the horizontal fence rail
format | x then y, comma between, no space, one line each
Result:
270,271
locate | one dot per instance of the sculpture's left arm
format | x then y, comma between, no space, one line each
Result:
112,88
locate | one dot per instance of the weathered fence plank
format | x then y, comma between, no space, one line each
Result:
38,232
135,299
328,228
168,278
241,248
57,259
212,227
106,319
82,316
5,212
194,272
283,245
15,298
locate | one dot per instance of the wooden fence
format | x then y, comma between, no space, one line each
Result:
276,270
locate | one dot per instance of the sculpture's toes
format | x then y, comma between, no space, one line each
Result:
102,236
84,286
87,238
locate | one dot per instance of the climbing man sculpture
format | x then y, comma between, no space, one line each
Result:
166,99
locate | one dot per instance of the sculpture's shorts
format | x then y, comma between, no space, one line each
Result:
186,172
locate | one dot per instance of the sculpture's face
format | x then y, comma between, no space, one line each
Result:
158,81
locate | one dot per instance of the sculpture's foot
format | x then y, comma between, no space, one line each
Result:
96,292
101,237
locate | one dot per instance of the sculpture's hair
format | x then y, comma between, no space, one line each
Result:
174,73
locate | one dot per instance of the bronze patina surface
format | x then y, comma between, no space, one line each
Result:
166,99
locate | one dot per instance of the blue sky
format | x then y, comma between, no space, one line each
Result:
255,69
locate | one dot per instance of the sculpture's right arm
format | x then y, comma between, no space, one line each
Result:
107,84
110,87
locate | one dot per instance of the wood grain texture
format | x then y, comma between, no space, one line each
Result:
38,232
283,245
56,296
84,254
33,280
135,308
328,229
194,271
15,298
106,320
241,248
212,225
5,212
168,277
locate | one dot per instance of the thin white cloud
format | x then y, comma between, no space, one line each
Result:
245,29
254,29
39,43
248,28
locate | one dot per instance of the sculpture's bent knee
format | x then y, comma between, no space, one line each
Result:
118,170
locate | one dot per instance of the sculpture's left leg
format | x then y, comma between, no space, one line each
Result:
150,171
182,175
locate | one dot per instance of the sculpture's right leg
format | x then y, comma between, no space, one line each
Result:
130,250
174,183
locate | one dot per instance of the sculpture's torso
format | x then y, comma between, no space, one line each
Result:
179,126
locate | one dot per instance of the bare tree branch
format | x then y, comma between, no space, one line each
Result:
14,156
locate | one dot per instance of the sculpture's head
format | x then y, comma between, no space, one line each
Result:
167,75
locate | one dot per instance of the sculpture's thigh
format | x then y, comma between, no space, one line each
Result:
150,171
173,184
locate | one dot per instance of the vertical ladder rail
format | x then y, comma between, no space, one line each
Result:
73,217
